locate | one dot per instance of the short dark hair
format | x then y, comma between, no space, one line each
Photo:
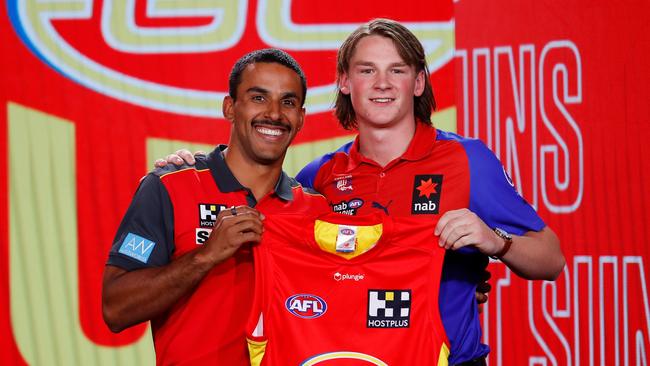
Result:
408,47
268,55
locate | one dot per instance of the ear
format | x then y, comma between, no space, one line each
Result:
302,119
227,108
344,84
419,84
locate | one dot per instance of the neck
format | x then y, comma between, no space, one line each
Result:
259,178
384,145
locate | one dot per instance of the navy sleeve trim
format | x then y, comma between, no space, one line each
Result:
145,237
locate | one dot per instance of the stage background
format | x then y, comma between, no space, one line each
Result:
93,91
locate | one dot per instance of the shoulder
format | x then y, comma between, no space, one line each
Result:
297,187
170,170
479,155
467,142
308,197
308,174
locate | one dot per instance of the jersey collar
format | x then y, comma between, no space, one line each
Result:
227,182
420,147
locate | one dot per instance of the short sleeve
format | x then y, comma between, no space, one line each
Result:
145,237
492,195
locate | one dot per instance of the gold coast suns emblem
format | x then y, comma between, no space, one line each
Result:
137,43
350,358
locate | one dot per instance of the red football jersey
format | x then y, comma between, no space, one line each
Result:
173,213
342,290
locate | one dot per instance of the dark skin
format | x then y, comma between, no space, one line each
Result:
151,286
266,116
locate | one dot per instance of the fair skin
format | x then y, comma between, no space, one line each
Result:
382,92
266,115
382,87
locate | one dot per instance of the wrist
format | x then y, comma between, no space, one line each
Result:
507,243
203,259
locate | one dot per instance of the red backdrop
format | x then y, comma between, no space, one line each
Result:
557,90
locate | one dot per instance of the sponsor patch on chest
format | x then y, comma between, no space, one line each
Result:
343,184
347,207
427,190
389,308
306,306
208,213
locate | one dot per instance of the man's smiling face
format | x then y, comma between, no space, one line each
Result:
267,112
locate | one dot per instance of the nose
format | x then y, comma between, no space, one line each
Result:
274,110
382,81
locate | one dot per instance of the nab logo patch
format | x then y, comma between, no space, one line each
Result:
426,194
348,207
389,308
208,213
137,247
306,306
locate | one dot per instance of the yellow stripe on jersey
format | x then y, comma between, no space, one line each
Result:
325,234
184,169
256,351
343,355
443,358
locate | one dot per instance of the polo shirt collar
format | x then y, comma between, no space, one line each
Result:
226,181
420,146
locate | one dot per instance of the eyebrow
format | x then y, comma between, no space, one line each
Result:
290,95
257,89
260,90
368,63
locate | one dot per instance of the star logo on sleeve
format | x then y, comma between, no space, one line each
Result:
427,190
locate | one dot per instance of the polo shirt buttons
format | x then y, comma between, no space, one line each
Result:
382,174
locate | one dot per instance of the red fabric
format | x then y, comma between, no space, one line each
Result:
289,262
208,325
394,181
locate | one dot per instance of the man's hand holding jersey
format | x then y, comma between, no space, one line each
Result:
234,227
532,255
459,228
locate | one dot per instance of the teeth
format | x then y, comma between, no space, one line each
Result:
382,100
269,131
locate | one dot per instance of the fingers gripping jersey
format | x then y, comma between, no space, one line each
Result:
372,302
173,213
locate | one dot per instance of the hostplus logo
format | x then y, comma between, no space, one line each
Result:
208,213
389,308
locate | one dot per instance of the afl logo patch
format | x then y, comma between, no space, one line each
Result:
355,203
347,231
306,306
